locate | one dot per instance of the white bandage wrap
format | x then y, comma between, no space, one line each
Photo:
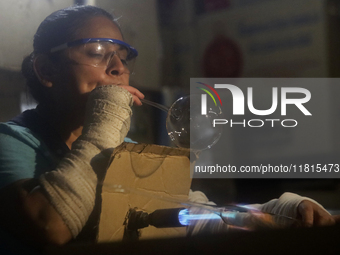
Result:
72,185
286,205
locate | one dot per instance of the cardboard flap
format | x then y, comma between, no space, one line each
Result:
158,172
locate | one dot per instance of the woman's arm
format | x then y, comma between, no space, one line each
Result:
28,215
55,208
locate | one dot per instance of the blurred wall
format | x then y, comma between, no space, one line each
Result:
11,87
139,24
265,38
19,20
242,38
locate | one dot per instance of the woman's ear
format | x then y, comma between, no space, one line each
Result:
45,70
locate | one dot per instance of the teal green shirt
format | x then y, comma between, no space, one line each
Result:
22,154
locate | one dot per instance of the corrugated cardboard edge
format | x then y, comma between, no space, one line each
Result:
150,148
193,155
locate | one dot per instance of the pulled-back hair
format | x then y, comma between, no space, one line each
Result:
56,29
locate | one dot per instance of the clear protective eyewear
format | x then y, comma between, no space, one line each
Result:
99,52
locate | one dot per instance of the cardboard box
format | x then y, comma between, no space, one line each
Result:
151,175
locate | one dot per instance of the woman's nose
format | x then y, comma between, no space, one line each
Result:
116,67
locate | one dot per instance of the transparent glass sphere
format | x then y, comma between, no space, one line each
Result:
188,128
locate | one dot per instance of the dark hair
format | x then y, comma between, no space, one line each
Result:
56,29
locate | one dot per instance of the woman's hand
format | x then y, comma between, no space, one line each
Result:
312,214
304,209
136,94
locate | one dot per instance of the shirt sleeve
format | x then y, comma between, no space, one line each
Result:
129,140
17,158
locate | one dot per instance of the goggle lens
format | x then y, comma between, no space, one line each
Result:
100,54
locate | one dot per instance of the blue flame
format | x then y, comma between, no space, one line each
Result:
185,217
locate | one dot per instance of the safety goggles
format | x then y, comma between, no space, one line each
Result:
99,52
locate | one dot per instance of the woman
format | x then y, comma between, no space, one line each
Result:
52,157
60,79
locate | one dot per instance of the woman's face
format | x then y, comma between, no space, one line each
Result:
74,81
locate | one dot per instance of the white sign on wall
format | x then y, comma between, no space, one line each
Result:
265,38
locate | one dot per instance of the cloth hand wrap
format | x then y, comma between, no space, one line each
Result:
286,205
72,185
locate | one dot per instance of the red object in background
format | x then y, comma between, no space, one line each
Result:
222,59
213,5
